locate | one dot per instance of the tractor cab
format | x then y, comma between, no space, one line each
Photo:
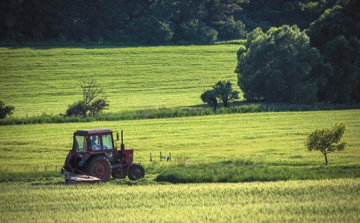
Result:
94,153
94,141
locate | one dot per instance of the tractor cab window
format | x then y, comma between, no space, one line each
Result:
107,142
95,143
80,144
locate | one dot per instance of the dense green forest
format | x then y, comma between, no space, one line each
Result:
149,21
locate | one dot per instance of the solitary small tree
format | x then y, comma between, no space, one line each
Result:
89,105
223,91
327,140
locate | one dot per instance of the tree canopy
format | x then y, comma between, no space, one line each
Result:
221,91
337,35
280,66
138,21
327,140
150,21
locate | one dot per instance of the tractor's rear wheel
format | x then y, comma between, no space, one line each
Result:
136,172
99,167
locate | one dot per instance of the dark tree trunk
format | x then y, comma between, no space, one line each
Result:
326,161
226,103
215,104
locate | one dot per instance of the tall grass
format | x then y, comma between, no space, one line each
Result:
295,201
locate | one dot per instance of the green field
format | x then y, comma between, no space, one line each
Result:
239,148
46,80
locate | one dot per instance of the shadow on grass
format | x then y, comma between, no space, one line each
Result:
220,105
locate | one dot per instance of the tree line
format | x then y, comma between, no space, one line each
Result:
136,21
149,21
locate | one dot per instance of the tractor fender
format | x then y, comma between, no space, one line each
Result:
133,164
67,164
84,159
69,157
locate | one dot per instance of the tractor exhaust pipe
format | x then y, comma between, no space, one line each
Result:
122,143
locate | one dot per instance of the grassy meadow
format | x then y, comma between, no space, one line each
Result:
250,167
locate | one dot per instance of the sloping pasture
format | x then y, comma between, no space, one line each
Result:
46,80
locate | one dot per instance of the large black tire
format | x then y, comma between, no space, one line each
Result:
99,167
136,172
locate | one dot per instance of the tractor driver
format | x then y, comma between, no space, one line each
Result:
95,145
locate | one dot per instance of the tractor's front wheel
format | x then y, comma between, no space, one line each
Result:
99,167
136,172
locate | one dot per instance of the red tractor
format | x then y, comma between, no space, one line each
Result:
94,154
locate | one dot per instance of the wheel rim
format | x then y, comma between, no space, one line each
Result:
137,173
100,170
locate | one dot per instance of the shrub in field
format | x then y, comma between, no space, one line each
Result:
327,140
5,110
97,106
223,91
88,106
209,97
77,109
